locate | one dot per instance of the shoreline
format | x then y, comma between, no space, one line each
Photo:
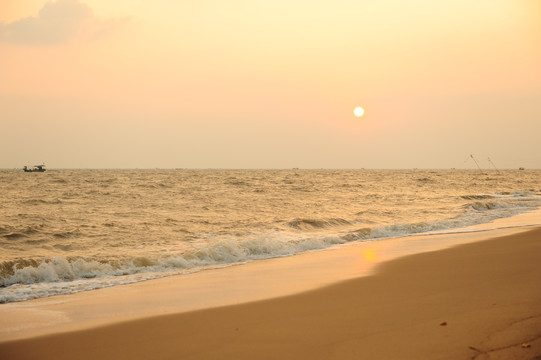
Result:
478,300
250,282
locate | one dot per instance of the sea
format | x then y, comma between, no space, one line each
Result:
66,231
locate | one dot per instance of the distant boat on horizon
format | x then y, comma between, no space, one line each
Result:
35,168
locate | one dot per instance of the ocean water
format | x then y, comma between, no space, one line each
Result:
65,231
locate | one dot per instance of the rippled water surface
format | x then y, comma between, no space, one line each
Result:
71,230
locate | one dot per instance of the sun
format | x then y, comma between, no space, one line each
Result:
358,111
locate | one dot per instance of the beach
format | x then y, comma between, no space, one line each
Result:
270,180
477,300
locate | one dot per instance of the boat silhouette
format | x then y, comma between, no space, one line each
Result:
35,168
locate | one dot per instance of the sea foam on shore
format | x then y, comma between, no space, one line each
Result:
70,231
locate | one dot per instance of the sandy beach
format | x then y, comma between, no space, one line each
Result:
474,301
251,180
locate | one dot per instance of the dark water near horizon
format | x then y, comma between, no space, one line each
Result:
65,231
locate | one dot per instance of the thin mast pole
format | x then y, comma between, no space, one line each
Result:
475,161
490,161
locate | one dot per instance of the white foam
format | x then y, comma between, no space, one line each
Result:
59,275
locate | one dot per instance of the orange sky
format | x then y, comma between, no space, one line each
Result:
270,84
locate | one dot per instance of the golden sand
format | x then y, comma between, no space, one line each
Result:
475,301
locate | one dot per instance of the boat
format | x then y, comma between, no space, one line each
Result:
35,168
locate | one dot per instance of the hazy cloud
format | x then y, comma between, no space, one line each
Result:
58,22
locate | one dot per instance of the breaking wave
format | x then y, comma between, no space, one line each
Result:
28,278
309,224
107,228
226,251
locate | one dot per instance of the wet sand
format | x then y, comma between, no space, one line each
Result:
476,301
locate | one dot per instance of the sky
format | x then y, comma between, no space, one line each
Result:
270,84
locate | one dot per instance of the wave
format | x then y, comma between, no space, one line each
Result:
12,232
310,224
481,206
478,212
24,279
14,235
425,180
42,202
477,197
231,249
108,272
37,233
67,234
